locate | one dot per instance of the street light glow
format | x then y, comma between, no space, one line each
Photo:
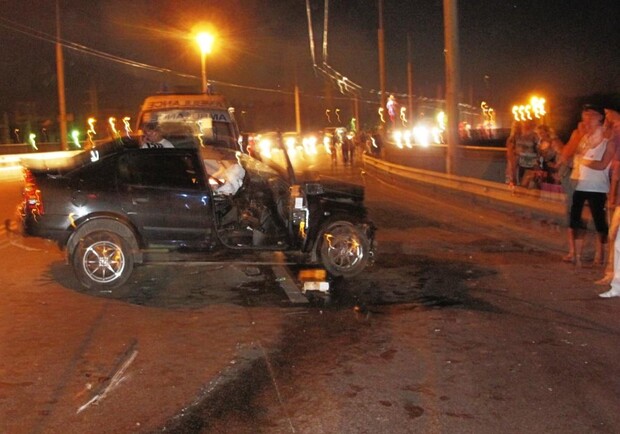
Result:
205,42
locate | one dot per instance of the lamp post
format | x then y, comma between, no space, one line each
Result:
205,41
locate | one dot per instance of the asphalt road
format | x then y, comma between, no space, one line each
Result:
468,322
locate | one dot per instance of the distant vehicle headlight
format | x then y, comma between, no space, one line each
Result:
421,135
265,147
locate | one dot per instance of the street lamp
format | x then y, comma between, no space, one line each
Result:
205,41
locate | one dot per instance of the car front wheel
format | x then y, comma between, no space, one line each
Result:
102,260
344,249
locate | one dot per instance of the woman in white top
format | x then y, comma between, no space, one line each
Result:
591,175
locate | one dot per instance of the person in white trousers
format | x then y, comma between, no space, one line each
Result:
612,117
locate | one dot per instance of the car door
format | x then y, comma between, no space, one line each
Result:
164,193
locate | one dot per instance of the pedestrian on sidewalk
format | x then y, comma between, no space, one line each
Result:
591,173
612,269
522,154
568,184
347,149
549,151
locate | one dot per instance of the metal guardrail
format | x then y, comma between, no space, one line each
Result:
542,203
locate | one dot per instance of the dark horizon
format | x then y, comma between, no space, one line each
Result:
508,50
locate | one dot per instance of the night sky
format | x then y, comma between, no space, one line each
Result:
508,48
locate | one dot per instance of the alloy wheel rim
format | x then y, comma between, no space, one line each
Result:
103,261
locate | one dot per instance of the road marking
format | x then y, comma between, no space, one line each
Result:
287,283
21,246
7,234
114,382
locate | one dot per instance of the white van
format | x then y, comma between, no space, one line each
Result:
189,120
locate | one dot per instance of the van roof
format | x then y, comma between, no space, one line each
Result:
184,100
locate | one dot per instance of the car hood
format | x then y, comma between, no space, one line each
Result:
335,190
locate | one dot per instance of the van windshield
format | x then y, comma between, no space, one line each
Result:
193,127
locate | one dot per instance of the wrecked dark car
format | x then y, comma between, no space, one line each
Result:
108,206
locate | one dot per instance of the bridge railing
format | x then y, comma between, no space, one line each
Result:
428,168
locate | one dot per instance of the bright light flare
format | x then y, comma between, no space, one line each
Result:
422,135
264,145
112,123
91,125
398,138
441,120
205,42
128,130
309,144
290,142
403,138
538,106
32,141
489,114
436,134
75,135
535,109
327,144
403,116
291,145
91,130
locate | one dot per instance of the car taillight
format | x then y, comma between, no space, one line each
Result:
33,203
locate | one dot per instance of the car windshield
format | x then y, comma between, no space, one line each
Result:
192,127
212,157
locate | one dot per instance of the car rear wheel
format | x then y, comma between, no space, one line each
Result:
344,249
102,259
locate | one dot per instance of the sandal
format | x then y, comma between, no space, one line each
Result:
605,280
568,258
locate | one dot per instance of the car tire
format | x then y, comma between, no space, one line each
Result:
344,249
102,258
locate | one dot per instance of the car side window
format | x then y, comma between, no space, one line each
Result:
159,170
97,176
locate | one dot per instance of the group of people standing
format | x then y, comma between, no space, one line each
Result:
588,169
533,153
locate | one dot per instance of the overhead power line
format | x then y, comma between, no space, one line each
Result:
347,87
29,31
34,33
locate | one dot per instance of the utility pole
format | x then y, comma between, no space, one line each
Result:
60,73
409,79
381,55
451,52
297,109
329,101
